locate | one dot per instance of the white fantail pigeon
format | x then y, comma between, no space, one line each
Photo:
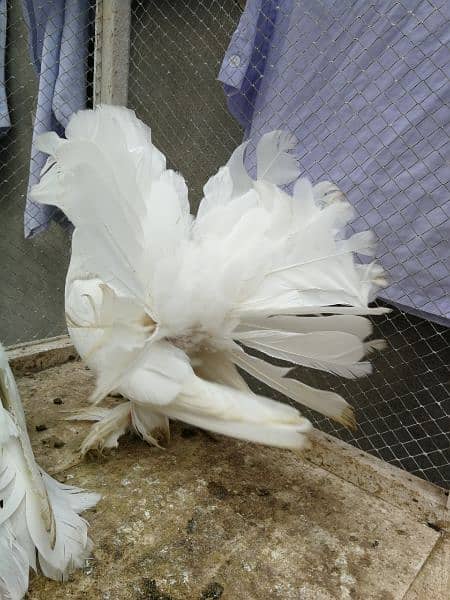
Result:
164,307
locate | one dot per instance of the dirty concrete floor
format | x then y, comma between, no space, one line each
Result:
214,518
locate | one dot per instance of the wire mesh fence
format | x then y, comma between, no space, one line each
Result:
369,115
178,51
46,71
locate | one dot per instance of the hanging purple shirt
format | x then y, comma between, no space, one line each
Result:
365,88
58,34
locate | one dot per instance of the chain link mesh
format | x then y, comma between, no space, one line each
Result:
32,271
177,49
176,52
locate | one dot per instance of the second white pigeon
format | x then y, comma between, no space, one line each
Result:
40,526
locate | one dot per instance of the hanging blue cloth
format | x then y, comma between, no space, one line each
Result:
58,37
364,87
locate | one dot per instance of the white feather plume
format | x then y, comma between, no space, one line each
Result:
274,162
39,517
156,300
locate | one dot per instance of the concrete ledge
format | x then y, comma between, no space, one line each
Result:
433,579
212,517
41,354
426,501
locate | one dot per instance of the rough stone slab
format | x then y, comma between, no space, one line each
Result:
433,580
422,499
42,354
215,518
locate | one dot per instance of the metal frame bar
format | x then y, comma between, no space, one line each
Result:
112,51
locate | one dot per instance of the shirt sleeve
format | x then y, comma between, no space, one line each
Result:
244,62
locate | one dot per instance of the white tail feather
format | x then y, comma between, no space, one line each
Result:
337,352
327,403
242,182
242,415
356,325
37,513
274,163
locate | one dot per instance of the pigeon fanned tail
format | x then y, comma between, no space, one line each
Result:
159,303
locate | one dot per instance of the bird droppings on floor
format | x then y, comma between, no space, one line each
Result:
220,519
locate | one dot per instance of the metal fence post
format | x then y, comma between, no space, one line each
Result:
112,51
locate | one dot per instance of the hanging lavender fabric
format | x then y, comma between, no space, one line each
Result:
365,89
58,35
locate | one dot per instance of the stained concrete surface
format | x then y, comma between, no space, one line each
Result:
212,517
